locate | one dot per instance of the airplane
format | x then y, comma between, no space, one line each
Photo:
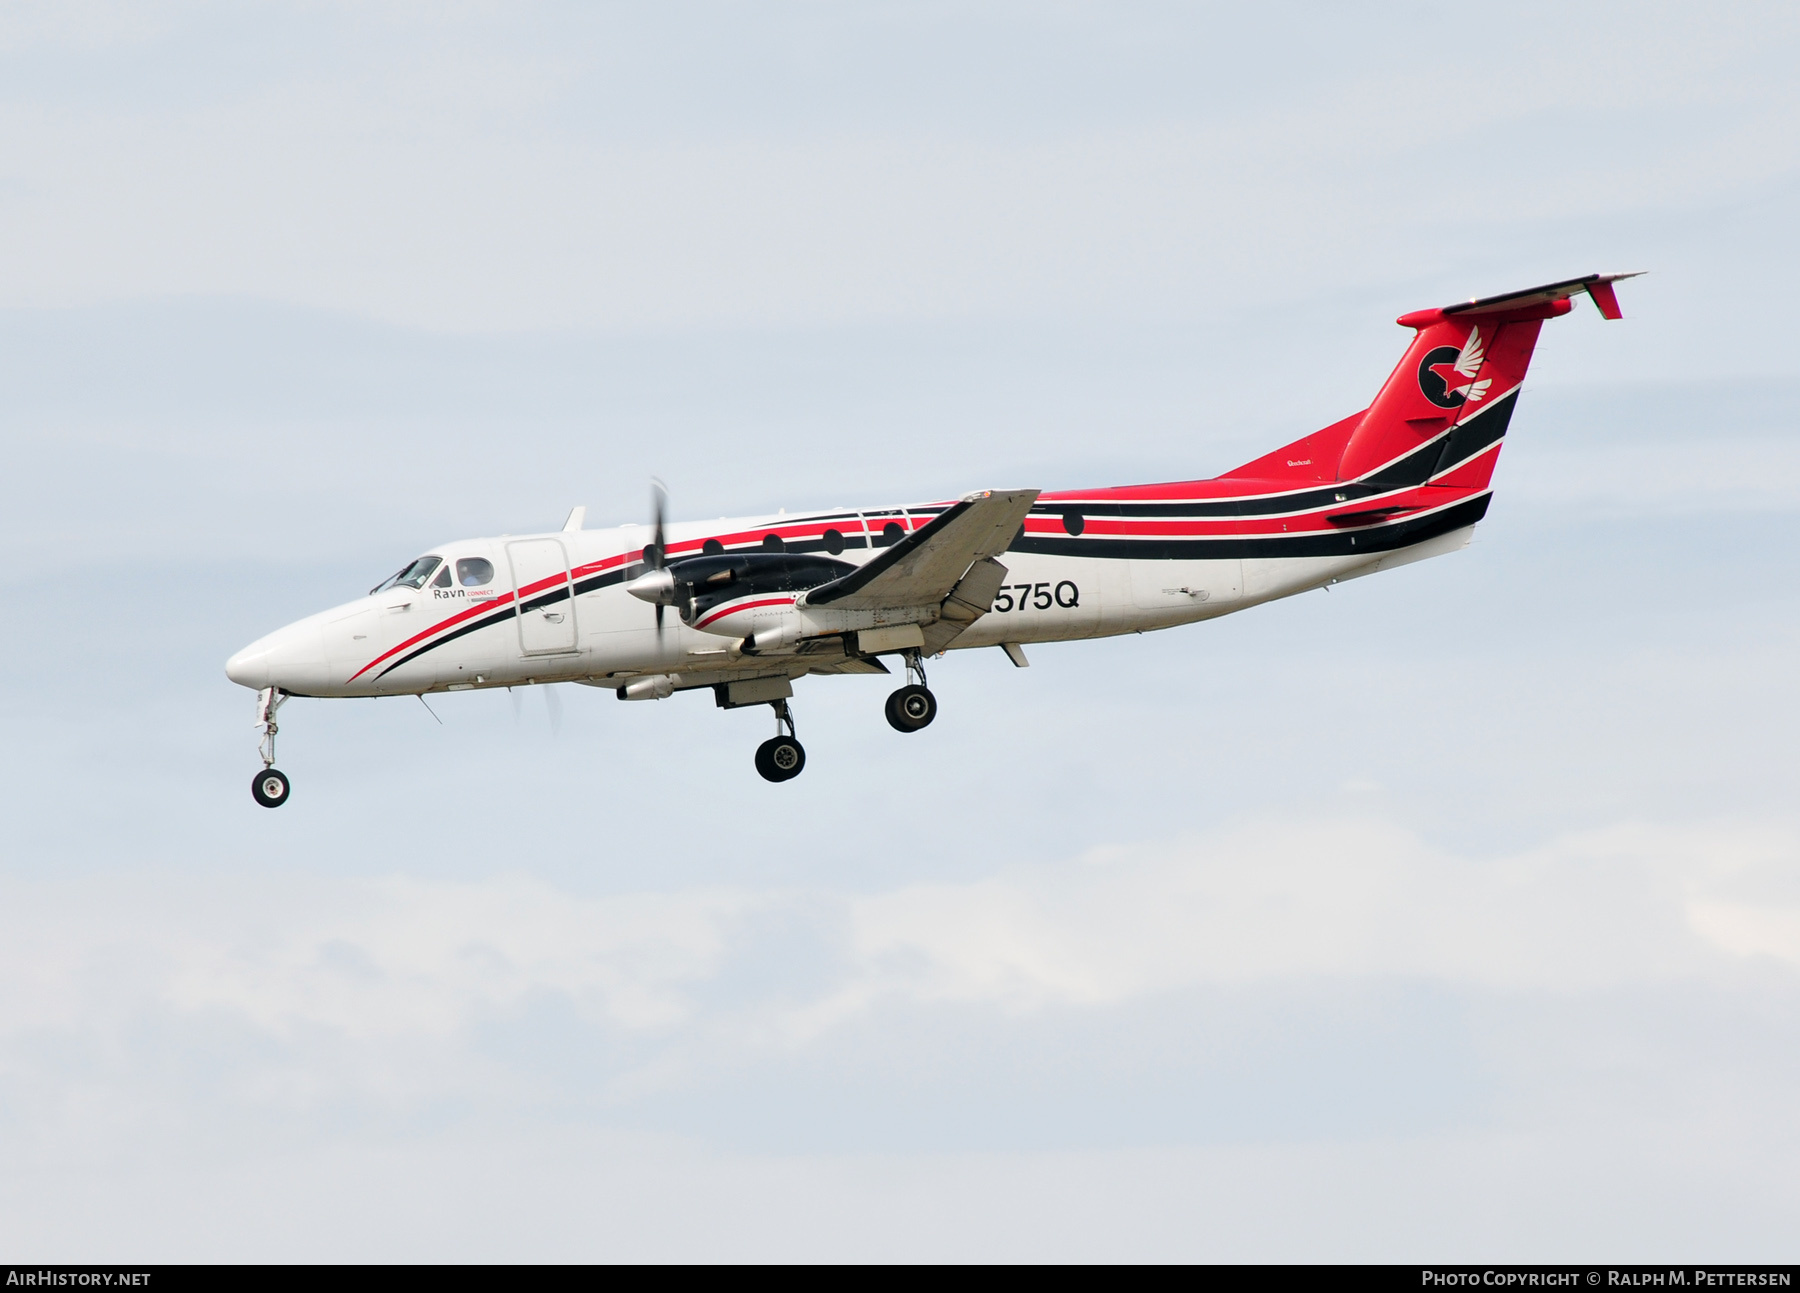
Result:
760,602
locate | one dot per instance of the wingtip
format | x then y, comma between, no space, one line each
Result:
980,494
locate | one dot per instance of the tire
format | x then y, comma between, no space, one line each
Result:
780,758
911,708
270,788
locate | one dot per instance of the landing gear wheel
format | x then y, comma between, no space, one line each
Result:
780,758
911,708
270,788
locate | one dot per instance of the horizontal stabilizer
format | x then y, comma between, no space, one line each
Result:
1444,407
1597,286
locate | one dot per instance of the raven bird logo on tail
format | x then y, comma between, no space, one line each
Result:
1447,375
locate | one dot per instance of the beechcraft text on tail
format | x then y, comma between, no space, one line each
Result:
743,609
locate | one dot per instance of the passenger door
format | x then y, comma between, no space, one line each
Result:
544,606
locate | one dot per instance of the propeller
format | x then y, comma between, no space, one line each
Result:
657,584
659,506
660,584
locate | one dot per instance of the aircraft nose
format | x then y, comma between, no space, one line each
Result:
292,658
250,667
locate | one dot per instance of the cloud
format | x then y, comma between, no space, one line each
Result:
1275,1005
385,968
383,962
1628,905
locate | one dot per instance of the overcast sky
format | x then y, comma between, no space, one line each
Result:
1453,914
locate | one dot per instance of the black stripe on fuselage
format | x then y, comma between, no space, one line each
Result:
1299,502
1450,448
811,545
1438,454
512,610
1385,538
1469,438
1335,543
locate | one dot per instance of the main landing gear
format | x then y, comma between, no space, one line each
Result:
781,757
913,706
269,787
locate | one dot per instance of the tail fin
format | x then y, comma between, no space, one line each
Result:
1461,375
1448,403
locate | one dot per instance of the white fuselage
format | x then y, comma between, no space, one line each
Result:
456,634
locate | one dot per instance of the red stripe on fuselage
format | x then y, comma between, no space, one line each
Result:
1312,519
743,606
480,608
505,599
1220,489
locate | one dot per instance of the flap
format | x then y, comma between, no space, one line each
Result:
972,598
851,664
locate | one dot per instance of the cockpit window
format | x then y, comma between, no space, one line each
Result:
443,578
414,576
474,572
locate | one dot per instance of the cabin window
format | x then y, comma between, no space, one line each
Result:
712,547
834,541
772,543
475,572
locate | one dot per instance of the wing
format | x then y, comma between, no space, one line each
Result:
924,567
1468,363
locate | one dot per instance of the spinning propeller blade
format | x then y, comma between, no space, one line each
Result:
659,505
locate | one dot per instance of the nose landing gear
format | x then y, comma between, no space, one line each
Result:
913,706
269,787
781,757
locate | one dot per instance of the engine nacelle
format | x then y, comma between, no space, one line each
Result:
776,637
658,686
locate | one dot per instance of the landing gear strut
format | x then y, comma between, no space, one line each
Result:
269,787
781,757
913,706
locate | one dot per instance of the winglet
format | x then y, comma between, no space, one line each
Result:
1603,296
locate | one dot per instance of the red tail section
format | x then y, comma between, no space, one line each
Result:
1454,370
1454,389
